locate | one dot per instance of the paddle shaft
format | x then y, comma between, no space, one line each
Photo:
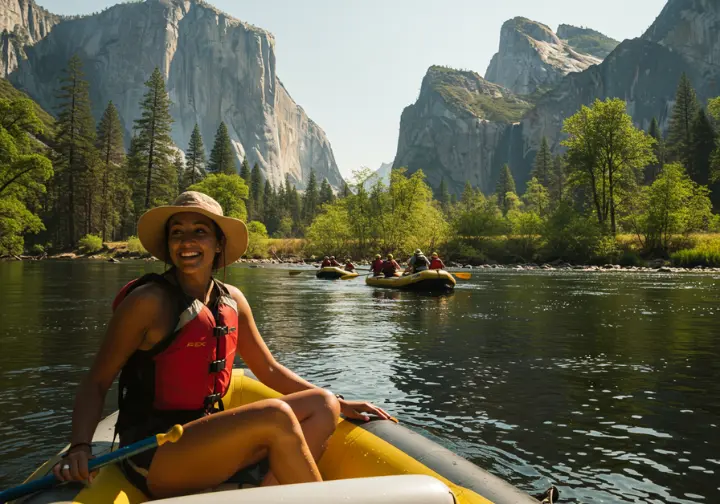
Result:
50,480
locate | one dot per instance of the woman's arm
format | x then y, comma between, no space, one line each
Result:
125,334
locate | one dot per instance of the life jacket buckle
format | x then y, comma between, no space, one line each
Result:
220,331
217,366
212,399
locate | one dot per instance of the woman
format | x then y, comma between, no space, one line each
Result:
163,332
436,263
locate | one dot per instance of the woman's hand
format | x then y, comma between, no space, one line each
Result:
359,410
74,467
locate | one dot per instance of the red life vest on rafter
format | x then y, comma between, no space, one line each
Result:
186,374
436,264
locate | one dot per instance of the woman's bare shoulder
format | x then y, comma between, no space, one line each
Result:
147,298
239,298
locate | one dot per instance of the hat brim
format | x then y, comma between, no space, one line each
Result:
153,235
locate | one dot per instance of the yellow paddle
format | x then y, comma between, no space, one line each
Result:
462,276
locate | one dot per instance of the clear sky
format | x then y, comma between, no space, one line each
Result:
353,65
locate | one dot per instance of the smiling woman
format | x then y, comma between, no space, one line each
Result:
164,331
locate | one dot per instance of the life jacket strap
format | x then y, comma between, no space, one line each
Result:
217,365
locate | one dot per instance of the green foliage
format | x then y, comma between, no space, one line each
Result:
605,155
592,42
90,243
477,216
707,255
74,142
570,235
228,190
326,193
135,246
222,157
680,130
398,218
703,145
652,169
195,160
311,199
505,186
113,179
526,228
454,87
256,193
672,205
15,221
536,198
9,93
245,171
543,164
153,149
258,240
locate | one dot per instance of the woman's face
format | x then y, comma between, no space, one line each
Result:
192,242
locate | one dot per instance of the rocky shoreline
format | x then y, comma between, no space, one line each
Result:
656,266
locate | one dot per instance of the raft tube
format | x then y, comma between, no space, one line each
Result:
369,450
428,280
333,273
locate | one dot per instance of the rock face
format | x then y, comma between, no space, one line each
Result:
217,69
440,138
587,41
460,129
644,72
22,22
533,58
692,29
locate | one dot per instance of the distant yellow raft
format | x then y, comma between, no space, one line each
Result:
428,280
333,273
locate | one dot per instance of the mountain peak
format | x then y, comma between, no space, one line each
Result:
587,40
533,58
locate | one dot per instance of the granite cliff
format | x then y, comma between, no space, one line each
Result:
217,69
22,22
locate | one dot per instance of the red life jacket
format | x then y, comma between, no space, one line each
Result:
325,264
185,375
436,263
377,266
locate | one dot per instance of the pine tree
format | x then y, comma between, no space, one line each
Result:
680,130
245,172
345,190
558,177
652,170
703,146
110,145
256,192
271,216
310,199
222,157
443,195
326,193
154,145
74,144
543,163
195,160
179,164
506,184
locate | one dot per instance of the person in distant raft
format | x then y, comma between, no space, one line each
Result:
436,263
349,266
390,266
333,262
156,342
417,263
377,265
326,262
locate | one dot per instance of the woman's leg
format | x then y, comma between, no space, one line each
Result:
317,410
215,447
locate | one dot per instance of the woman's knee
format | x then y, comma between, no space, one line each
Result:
327,405
280,413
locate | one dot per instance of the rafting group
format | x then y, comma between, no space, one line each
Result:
172,340
421,273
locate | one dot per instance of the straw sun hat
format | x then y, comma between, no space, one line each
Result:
153,233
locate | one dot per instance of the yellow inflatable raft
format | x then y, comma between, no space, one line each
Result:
333,273
382,453
428,280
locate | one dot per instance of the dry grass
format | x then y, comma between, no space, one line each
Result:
286,247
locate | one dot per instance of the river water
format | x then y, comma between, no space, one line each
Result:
605,384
